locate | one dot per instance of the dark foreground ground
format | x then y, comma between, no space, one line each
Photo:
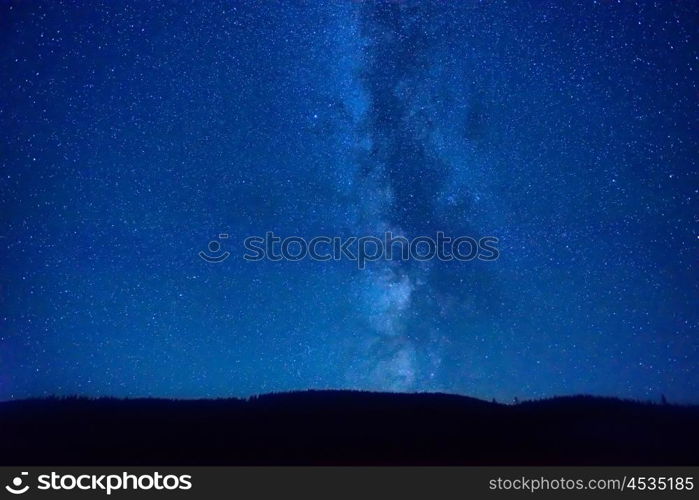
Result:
338,427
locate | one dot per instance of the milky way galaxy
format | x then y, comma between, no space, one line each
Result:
134,133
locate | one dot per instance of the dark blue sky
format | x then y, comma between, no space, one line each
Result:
133,133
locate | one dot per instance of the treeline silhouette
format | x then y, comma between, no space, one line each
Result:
347,427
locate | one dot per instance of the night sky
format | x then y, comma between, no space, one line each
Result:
133,133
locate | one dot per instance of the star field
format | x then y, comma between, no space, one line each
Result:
133,133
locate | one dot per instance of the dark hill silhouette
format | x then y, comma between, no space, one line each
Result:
347,427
